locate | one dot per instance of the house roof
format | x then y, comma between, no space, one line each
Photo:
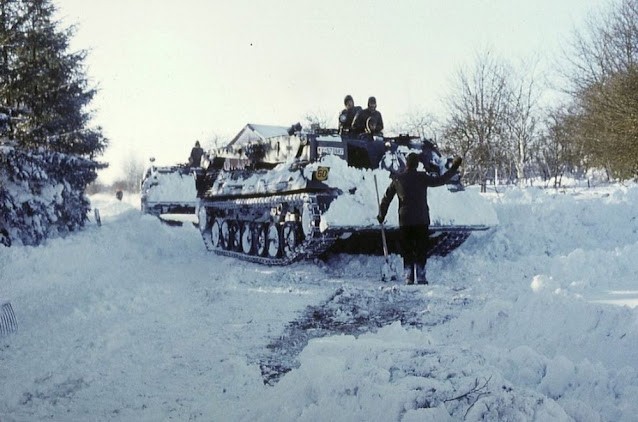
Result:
252,132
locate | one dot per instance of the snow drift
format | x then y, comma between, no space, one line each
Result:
135,321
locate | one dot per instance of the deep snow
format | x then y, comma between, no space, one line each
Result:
134,320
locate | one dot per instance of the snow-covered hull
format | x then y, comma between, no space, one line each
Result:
281,229
168,190
303,209
275,195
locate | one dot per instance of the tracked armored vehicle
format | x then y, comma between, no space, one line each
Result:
275,195
168,190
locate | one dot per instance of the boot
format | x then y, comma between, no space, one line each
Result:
420,275
408,273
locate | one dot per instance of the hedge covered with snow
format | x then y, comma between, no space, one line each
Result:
42,194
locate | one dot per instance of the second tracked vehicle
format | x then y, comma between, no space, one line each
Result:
167,191
277,194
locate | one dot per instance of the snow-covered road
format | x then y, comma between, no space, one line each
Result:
134,320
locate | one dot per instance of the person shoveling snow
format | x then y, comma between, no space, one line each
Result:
414,216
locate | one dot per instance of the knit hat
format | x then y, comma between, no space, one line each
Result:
412,161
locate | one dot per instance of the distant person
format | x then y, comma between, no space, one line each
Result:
369,120
119,195
196,155
414,214
347,115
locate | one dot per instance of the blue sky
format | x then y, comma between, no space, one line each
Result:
170,73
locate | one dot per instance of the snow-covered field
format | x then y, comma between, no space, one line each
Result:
135,321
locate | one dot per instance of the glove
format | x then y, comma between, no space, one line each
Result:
380,219
457,163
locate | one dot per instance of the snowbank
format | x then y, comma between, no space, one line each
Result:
535,320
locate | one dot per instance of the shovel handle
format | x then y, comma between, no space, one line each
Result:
385,243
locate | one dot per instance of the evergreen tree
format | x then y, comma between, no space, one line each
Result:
44,82
47,148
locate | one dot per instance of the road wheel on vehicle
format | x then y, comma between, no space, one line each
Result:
291,239
226,237
247,237
261,239
274,240
216,238
235,236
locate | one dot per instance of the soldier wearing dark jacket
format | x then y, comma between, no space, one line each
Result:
414,214
194,160
347,115
368,120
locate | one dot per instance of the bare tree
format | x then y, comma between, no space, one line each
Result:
523,119
419,123
478,110
215,141
133,168
608,45
319,119
604,88
558,150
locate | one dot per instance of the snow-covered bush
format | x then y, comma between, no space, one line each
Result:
42,194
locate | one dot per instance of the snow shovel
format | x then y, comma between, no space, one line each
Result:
8,322
387,271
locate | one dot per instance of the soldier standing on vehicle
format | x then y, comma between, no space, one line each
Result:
347,115
414,214
195,158
368,120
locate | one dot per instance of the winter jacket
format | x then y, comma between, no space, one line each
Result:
195,157
346,117
411,188
359,125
